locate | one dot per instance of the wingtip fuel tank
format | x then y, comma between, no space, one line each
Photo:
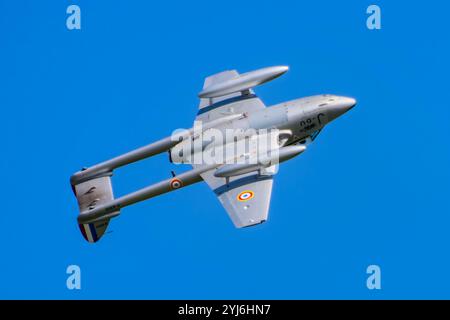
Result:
243,82
274,157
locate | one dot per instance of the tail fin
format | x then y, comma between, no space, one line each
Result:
90,194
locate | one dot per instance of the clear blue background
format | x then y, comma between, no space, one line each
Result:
373,189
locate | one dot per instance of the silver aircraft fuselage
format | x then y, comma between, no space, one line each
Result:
302,116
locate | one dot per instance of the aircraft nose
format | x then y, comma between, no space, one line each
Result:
348,102
341,106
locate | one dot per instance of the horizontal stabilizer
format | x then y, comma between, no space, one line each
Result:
90,194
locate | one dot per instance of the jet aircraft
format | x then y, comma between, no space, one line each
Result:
242,180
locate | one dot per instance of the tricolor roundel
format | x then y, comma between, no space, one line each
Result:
176,183
245,195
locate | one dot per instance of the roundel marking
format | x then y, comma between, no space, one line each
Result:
245,195
176,183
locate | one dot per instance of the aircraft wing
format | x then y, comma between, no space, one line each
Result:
246,198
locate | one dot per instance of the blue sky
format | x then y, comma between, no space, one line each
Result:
373,189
